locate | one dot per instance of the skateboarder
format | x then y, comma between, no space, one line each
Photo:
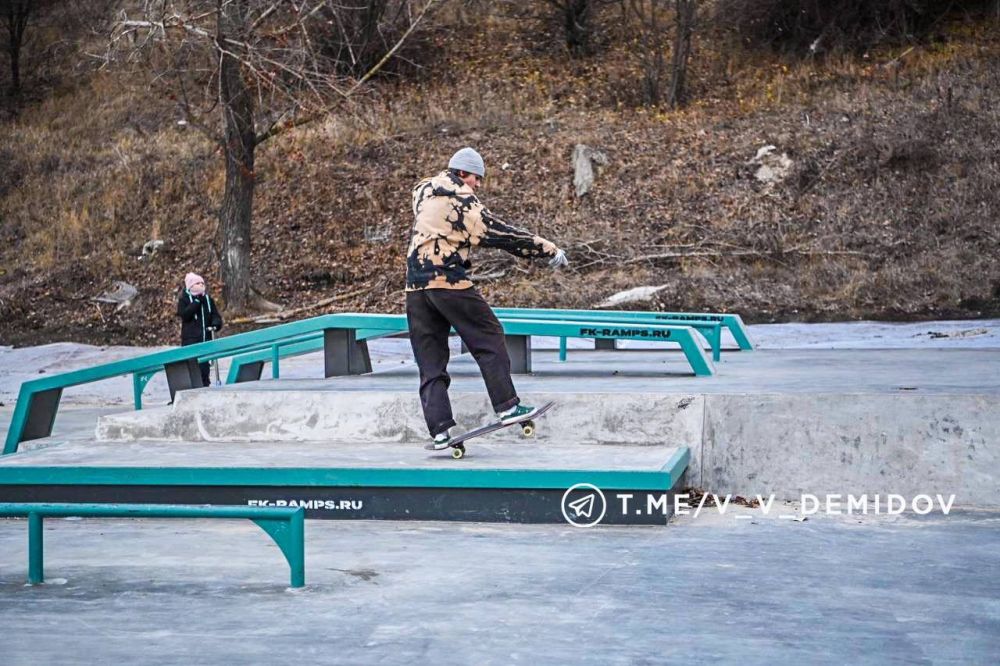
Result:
449,221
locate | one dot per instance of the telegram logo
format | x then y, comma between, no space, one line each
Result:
583,505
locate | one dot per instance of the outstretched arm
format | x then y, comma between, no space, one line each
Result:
516,241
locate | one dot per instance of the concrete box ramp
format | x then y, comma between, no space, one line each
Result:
788,444
508,480
788,422
312,416
874,444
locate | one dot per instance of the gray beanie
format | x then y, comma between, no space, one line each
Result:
468,160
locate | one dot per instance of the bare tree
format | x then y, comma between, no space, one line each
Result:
653,39
243,72
685,13
808,27
360,38
652,43
576,17
15,14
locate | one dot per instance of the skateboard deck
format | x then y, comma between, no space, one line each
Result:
457,444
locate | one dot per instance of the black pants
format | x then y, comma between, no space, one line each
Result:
206,368
431,313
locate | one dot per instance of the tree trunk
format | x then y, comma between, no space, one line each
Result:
15,69
652,43
237,105
577,24
370,46
686,10
17,21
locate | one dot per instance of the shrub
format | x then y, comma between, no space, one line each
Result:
812,26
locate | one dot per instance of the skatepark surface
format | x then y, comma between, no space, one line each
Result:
712,589
772,584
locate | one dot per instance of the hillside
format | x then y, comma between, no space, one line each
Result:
888,211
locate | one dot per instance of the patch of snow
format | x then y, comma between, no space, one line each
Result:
635,295
976,334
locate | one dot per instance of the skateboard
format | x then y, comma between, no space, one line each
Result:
457,444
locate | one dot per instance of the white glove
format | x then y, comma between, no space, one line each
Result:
559,261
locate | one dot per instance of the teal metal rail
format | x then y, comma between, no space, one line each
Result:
712,330
141,377
346,353
239,370
519,332
38,399
285,349
271,351
663,478
286,526
732,322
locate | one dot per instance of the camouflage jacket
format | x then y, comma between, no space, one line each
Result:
449,221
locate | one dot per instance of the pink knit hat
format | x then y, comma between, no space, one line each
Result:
191,279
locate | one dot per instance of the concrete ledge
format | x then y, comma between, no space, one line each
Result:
784,422
783,443
862,443
301,416
507,481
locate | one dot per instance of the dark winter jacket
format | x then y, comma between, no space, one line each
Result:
198,316
449,221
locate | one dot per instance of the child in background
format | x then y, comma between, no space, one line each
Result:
199,318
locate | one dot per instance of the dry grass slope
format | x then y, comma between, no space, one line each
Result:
890,210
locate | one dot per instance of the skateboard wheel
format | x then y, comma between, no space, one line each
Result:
458,452
528,428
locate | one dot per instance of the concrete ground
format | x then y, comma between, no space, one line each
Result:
712,589
743,587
